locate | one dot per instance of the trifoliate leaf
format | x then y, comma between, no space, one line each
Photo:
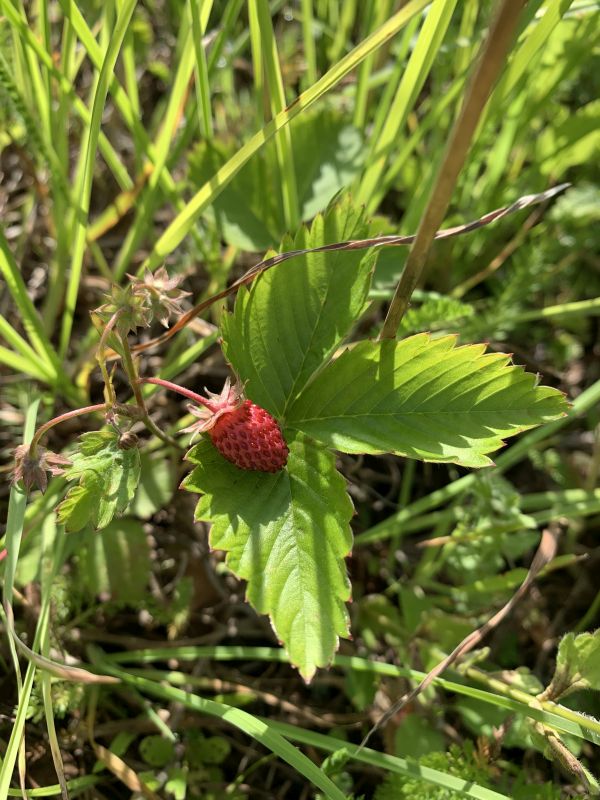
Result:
156,750
422,398
293,317
286,534
577,665
108,477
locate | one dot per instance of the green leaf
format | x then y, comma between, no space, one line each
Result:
156,750
577,665
416,736
176,784
115,562
293,317
108,477
287,535
423,398
207,750
328,154
155,488
461,762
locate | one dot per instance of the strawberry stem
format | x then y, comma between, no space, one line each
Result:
62,418
174,387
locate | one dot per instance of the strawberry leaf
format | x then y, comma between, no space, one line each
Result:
108,477
577,665
293,317
423,398
287,535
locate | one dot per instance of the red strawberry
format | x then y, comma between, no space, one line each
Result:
242,432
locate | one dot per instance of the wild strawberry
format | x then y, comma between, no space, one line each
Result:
242,432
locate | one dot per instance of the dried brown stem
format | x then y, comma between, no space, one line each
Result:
544,554
489,65
352,244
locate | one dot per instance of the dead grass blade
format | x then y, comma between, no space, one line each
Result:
353,244
545,553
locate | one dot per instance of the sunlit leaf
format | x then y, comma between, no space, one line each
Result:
286,534
108,477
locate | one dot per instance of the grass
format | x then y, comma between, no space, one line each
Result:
104,109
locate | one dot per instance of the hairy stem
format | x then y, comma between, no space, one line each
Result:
134,380
109,392
78,412
174,387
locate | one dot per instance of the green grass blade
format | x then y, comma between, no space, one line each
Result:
36,91
576,308
395,76
261,731
375,16
122,101
90,147
41,145
466,38
131,86
75,787
310,51
283,139
430,121
14,531
503,696
389,763
373,184
19,363
16,341
186,218
67,91
526,51
46,37
150,196
52,550
29,315
228,20
293,756
200,12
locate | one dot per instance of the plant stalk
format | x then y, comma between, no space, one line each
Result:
489,65
78,412
134,380
174,387
109,391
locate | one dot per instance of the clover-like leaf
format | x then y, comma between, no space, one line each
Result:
108,477
286,534
577,665
293,317
423,398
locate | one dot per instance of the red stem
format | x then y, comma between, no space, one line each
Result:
63,418
174,387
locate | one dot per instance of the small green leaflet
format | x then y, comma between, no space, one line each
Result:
287,534
422,398
577,665
292,319
108,477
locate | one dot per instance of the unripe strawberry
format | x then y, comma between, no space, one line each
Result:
242,432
